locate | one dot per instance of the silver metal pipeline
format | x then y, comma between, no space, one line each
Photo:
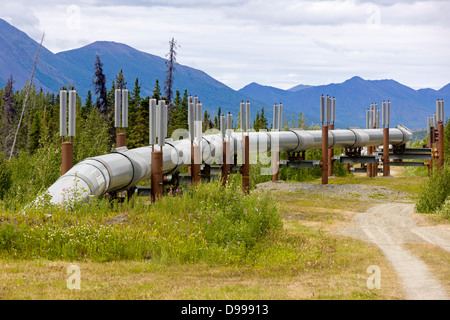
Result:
123,168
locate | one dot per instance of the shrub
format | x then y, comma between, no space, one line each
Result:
445,208
435,191
5,177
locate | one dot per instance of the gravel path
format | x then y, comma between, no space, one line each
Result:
360,190
390,226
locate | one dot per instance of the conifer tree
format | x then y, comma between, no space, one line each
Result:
120,81
100,87
88,102
35,133
170,63
263,120
157,91
9,116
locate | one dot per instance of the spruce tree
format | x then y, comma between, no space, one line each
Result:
170,63
257,122
120,81
157,91
9,116
35,133
100,87
88,102
263,120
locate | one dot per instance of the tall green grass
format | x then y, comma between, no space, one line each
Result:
208,223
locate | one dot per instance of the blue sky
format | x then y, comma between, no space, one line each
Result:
278,43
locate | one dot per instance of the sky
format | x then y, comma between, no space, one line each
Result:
276,43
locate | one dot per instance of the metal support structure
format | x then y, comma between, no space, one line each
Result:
275,153
195,164
66,156
245,168
120,139
386,110
156,175
330,155
67,116
386,167
324,163
225,162
440,144
123,169
121,115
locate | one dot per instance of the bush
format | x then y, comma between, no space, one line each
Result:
5,177
436,190
445,208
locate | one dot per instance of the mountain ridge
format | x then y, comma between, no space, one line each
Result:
76,67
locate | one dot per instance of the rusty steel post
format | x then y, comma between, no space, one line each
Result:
374,167
369,165
324,162
156,175
275,166
120,139
330,154
66,156
386,166
440,144
433,146
245,169
195,164
430,145
225,163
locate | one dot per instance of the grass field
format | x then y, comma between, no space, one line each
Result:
300,259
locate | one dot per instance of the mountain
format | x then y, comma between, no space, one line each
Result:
299,87
408,106
76,67
17,54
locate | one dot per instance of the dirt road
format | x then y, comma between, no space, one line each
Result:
390,226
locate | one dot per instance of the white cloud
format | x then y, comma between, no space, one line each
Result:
280,43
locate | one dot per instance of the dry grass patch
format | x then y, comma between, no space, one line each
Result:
437,259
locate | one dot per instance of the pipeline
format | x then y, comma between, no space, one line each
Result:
124,168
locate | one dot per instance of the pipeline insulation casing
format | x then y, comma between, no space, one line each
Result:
367,119
124,168
275,117
242,119
152,122
72,112
388,113
125,108
280,117
322,109
222,126
328,113
247,115
333,110
191,118
117,100
63,113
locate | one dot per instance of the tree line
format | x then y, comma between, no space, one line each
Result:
41,118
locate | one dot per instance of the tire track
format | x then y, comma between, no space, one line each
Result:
390,226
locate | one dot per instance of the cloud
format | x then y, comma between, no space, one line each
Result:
269,42
19,14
